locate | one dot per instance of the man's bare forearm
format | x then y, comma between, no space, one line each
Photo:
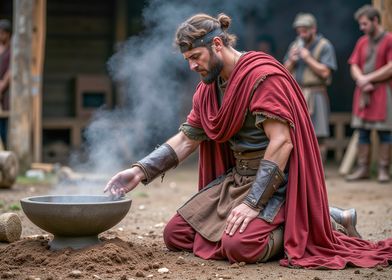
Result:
382,74
355,72
183,145
280,145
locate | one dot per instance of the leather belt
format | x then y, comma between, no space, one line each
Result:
312,89
247,163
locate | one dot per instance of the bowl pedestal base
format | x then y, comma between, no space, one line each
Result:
78,242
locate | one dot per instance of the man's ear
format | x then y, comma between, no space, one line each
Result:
217,44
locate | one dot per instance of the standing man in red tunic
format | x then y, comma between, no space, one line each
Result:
371,69
262,190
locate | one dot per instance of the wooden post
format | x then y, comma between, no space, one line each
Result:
21,101
385,8
121,23
38,55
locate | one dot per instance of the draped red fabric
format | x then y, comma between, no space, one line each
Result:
377,108
309,240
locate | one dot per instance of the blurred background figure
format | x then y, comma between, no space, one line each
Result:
371,69
311,59
5,55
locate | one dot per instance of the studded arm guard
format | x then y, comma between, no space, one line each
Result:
268,179
157,162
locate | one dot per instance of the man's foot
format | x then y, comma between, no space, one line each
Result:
346,218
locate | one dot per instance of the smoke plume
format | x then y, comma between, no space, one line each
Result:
154,83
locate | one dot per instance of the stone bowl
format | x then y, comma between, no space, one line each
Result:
75,221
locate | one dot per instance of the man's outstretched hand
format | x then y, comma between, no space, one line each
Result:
240,216
124,182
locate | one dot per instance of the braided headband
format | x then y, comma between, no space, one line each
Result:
202,41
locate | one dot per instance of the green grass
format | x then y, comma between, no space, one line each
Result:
14,207
1,204
49,179
140,194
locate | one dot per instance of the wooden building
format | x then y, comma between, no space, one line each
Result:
81,36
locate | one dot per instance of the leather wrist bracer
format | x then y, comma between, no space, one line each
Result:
268,179
157,162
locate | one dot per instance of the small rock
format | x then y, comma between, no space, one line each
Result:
235,266
225,277
75,274
150,275
97,277
155,265
357,272
146,268
163,270
316,278
180,260
379,268
31,277
7,274
140,274
241,264
160,225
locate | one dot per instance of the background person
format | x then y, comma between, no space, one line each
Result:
311,59
371,69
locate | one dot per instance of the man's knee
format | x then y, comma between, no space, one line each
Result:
178,235
169,234
239,250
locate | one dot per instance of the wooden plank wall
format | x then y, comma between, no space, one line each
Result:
79,41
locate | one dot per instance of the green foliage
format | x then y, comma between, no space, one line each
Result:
49,179
140,194
15,207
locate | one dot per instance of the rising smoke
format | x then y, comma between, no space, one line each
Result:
154,82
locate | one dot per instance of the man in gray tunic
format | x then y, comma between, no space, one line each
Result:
311,59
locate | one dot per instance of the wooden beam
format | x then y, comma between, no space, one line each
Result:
38,55
385,8
121,31
121,21
21,101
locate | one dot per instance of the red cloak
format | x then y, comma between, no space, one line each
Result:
309,240
377,108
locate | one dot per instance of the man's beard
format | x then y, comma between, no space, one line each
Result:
308,39
215,67
372,31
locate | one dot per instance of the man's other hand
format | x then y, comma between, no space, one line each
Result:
240,216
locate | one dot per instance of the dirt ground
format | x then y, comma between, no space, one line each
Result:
134,248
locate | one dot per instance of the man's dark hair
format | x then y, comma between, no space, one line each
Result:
201,25
369,11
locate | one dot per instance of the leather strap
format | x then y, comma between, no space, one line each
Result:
268,179
157,162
